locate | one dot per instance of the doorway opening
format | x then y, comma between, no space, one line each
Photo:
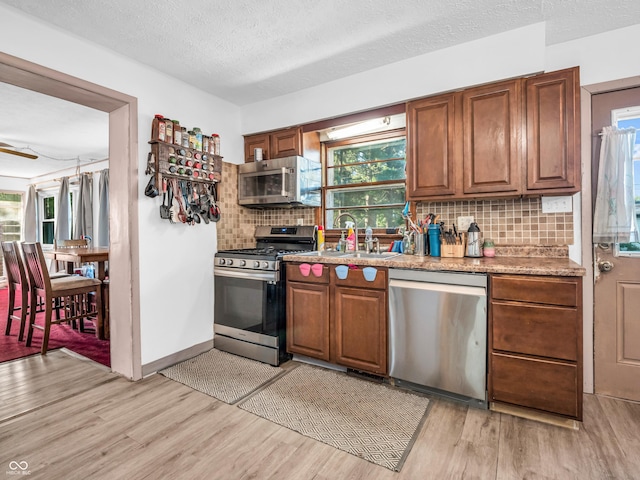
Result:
123,194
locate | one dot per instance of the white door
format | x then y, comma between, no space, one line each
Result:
617,269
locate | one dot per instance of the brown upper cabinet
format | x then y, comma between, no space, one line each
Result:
491,126
553,132
283,143
502,139
251,142
432,148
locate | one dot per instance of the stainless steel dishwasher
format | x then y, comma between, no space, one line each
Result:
438,333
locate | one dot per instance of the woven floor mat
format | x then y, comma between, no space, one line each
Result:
222,375
372,421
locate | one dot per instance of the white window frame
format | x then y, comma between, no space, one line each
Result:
361,140
55,193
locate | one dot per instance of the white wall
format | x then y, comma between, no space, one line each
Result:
176,261
515,53
14,184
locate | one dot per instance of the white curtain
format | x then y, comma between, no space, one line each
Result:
83,225
103,209
614,218
30,219
63,228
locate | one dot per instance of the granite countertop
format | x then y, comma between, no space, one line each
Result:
558,266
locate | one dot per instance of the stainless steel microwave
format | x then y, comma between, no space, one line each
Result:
282,182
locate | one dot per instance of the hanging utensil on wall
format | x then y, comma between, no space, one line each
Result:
215,209
165,213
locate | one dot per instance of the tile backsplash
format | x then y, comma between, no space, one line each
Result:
237,224
518,221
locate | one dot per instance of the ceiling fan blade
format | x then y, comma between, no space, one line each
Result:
20,154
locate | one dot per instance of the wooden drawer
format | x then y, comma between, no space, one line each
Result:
355,278
563,291
541,384
535,330
294,273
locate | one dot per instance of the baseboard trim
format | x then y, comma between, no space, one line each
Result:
181,356
523,412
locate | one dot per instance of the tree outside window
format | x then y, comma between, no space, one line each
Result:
367,180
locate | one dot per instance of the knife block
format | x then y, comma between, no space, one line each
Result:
453,251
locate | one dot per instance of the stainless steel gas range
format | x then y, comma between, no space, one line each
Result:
250,305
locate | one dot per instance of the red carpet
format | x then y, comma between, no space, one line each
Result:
85,344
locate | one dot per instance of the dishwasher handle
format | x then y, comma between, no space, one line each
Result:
439,287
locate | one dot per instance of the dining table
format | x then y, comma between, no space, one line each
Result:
72,256
99,255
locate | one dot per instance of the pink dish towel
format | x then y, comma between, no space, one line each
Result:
305,268
316,269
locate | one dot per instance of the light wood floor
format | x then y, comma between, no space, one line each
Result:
69,418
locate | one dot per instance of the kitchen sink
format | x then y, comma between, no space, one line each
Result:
327,253
338,254
378,256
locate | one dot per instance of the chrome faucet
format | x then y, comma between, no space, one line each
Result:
336,223
369,242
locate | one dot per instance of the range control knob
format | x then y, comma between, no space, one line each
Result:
265,264
229,262
221,261
256,264
242,263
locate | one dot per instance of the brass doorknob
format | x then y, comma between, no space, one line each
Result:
605,266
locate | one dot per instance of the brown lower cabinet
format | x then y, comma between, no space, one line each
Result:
340,321
308,313
535,343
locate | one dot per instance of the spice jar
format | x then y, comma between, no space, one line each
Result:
158,128
192,139
185,137
216,143
177,132
198,142
168,130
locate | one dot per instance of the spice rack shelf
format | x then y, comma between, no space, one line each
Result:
173,161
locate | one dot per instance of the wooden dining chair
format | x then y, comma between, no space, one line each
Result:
64,244
17,278
19,281
71,292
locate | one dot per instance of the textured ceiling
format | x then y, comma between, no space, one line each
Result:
250,50
245,51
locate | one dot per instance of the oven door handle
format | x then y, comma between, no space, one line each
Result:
271,277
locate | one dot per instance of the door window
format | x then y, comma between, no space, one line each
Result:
625,118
